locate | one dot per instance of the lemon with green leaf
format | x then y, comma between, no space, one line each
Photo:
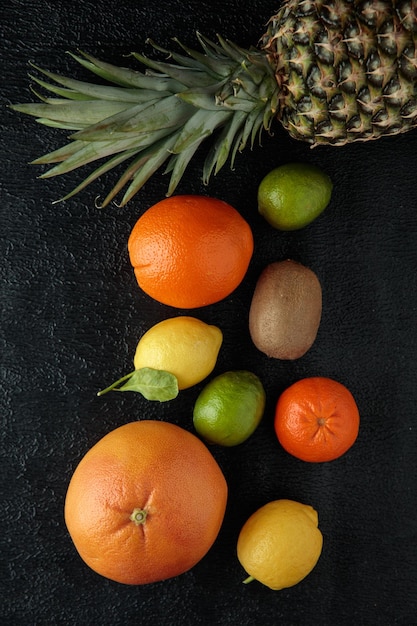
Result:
174,354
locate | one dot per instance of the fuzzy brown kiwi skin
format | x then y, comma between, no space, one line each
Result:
285,311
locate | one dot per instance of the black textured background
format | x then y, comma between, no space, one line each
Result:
71,315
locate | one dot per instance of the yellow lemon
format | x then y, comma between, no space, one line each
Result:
280,543
293,195
183,346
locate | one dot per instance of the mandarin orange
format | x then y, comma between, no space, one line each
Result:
317,419
145,503
190,251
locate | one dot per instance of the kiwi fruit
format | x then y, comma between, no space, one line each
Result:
285,311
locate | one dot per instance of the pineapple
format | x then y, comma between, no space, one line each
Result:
331,71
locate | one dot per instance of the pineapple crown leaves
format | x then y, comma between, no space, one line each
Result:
160,116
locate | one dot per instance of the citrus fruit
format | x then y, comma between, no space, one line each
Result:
190,251
229,408
145,503
316,419
174,354
293,195
280,543
184,346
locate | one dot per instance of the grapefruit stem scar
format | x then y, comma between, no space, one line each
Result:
138,516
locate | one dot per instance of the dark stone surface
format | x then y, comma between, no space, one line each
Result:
72,315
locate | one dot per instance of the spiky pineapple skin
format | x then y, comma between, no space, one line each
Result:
347,69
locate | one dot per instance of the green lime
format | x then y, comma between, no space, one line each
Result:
293,195
229,408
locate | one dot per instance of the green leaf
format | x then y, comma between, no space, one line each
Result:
213,66
142,118
151,383
81,90
59,155
202,98
105,167
154,157
199,126
220,150
92,152
61,125
184,76
69,94
125,77
178,164
78,111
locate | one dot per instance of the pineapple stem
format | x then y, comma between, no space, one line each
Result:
160,115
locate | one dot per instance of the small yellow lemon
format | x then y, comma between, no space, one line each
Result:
184,346
280,543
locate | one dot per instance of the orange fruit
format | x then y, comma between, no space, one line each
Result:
190,251
145,503
316,419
